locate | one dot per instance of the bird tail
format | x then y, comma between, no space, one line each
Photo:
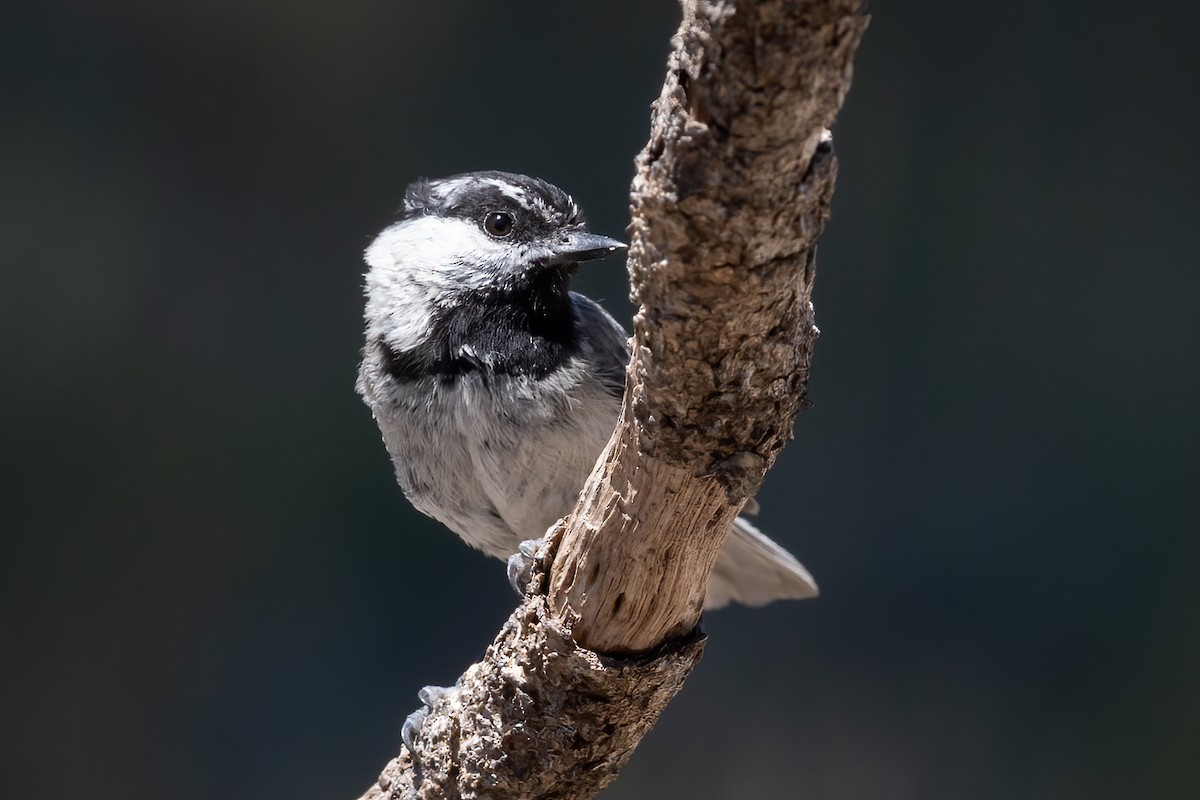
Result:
753,570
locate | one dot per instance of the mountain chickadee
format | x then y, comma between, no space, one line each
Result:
495,387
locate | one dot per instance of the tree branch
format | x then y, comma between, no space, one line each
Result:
731,193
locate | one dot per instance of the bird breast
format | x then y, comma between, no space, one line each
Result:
496,458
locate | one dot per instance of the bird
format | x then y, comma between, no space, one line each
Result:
494,386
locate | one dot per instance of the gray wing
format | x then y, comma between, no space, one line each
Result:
753,570
607,341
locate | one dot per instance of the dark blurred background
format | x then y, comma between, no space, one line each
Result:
212,588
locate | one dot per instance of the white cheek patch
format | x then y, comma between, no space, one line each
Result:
396,310
438,253
419,264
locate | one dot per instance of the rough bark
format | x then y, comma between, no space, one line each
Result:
730,195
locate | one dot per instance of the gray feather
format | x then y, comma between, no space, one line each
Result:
754,571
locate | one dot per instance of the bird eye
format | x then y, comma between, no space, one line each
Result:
498,224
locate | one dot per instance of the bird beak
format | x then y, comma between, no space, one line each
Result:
583,246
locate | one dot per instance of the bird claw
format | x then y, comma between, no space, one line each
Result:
411,727
521,563
412,724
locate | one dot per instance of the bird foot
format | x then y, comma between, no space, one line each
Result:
412,725
521,563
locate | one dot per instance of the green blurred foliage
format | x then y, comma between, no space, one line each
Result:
212,587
